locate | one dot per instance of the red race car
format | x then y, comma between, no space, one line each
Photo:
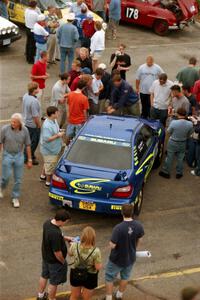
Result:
160,15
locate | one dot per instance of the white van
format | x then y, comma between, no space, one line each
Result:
9,32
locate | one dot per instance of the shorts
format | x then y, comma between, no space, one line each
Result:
97,54
90,284
112,270
73,129
50,162
56,273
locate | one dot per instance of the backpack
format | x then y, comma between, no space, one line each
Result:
81,271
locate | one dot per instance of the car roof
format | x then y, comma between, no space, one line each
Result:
111,127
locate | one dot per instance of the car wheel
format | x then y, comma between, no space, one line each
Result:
159,156
138,203
161,27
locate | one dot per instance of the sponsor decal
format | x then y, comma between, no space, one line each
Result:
87,185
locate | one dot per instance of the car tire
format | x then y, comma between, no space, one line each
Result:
159,156
161,27
138,203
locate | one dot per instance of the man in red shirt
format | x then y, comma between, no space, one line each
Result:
88,29
196,92
77,107
39,75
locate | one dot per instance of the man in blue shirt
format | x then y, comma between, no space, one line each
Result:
50,143
123,98
124,241
67,36
179,130
114,17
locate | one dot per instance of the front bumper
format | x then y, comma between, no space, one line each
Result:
107,206
7,40
182,24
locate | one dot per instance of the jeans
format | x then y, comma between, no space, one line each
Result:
197,169
191,152
146,105
39,49
15,162
30,46
66,52
35,138
159,114
178,149
3,10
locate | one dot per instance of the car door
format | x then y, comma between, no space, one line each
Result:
135,11
16,9
144,153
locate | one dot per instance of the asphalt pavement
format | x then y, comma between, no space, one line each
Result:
170,213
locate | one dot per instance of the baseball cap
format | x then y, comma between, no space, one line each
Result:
41,18
102,66
90,16
71,17
85,70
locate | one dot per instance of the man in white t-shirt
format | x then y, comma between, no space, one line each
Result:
94,91
59,97
145,76
160,98
31,16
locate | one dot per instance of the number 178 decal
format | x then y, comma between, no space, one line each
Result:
132,12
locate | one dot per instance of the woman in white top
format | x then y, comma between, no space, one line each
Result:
97,45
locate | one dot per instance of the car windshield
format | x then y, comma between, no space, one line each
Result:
56,3
101,152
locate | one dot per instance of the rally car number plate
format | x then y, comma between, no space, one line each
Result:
87,205
132,13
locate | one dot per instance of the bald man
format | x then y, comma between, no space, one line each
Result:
145,76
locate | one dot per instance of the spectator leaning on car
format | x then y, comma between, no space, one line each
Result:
50,143
123,98
40,35
114,14
77,107
160,98
60,91
179,130
91,255
124,241
13,139
31,17
67,35
54,252
120,61
189,75
145,76
32,114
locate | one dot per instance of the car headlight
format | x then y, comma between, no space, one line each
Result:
16,30
3,31
9,29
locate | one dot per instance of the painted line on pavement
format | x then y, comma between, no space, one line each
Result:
148,277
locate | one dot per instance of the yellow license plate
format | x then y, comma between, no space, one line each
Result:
87,205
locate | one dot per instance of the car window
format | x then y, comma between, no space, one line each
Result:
143,141
100,152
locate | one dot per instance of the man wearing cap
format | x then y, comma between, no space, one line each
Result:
31,17
67,36
14,138
88,29
40,35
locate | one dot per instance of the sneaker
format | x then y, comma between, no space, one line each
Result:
117,298
1,193
42,177
192,172
178,176
45,297
47,184
163,174
15,202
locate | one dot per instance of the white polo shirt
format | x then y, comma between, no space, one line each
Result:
31,16
161,94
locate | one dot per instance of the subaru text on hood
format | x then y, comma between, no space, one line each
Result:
107,164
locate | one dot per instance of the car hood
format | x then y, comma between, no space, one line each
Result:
189,8
4,23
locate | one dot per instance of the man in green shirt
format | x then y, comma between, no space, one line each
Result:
188,75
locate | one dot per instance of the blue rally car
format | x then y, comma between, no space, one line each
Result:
107,164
